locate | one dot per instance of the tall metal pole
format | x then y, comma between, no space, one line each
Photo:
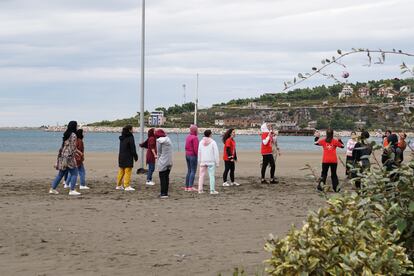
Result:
142,111
196,104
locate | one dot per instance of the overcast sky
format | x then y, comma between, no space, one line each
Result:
64,60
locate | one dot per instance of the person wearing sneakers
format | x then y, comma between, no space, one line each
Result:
126,157
208,156
66,160
329,159
151,145
165,160
229,157
80,158
350,145
191,152
267,154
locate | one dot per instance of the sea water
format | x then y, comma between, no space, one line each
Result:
42,141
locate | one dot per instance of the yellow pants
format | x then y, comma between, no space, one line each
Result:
124,173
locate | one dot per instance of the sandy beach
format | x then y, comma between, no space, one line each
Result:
107,232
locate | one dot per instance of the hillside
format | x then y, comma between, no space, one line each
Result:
368,105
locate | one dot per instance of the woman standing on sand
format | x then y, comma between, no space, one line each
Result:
191,152
267,154
165,161
126,157
229,157
208,156
151,145
349,148
80,158
66,160
329,159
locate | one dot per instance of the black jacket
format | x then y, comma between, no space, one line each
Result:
127,151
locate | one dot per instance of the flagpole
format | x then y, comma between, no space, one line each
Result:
196,104
142,111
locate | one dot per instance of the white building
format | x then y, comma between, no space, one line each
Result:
405,89
219,122
347,91
364,92
156,118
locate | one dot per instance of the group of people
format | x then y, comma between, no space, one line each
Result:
205,155
358,152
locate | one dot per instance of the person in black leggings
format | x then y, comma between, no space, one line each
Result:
229,157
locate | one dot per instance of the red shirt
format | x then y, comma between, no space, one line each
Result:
329,150
152,145
230,143
266,149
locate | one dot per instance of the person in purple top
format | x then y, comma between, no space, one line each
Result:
191,153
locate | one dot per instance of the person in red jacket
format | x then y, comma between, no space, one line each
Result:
151,145
229,157
267,154
329,159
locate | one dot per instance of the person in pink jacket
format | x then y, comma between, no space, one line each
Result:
191,152
208,156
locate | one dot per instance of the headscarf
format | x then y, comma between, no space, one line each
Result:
159,133
193,129
72,127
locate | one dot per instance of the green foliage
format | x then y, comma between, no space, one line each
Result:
341,239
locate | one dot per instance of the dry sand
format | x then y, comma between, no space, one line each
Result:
108,232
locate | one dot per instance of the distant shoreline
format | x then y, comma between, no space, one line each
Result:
216,131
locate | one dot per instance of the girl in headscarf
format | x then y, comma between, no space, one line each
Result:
66,160
191,152
151,145
165,161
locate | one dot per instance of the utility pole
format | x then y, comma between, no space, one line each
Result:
142,111
196,104
184,87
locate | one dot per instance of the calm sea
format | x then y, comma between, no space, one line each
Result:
41,141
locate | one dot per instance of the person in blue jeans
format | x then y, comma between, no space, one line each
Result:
151,145
191,153
66,160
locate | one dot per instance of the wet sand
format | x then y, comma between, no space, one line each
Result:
107,232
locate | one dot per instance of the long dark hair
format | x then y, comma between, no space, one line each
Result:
72,126
329,135
126,130
227,134
79,133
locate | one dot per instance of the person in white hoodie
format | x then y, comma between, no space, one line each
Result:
164,160
350,145
208,157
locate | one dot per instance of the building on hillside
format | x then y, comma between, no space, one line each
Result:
387,92
325,103
346,91
219,122
405,89
360,124
219,113
364,92
312,124
286,125
156,118
242,122
409,101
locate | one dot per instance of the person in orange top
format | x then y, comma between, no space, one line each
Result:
402,144
329,159
229,157
267,153
385,144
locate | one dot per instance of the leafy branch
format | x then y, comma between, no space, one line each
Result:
336,60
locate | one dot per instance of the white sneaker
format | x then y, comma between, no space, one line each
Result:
84,188
214,193
226,184
53,192
129,188
150,183
201,192
66,186
74,193
235,184
164,197
119,188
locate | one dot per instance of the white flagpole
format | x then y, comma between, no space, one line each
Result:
196,104
142,111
